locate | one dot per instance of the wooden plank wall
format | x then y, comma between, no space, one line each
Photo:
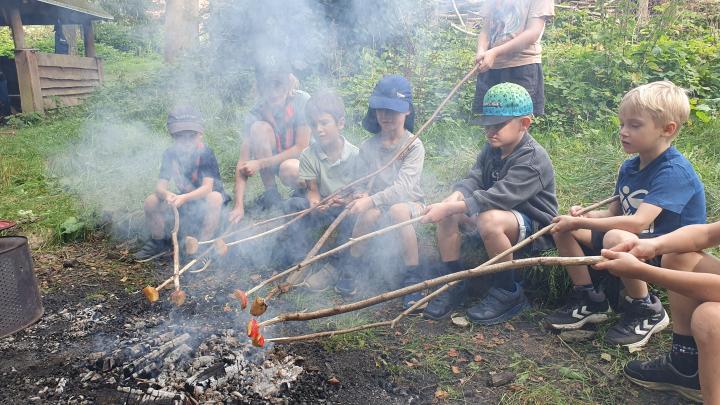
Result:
67,80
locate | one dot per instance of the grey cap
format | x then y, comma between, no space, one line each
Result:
184,118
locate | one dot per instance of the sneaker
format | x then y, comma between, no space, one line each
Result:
639,321
659,374
346,285
498,306
446,302
268,199
152,249
322,279
577,311
410,299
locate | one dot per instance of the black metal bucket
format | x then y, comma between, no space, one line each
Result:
20,303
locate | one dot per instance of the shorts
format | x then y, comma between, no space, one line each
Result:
526,226
596,242
529,76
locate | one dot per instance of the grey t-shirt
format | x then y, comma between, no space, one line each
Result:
330,176
400,182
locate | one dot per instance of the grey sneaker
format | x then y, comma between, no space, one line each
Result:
152,249
639,321
659,374
322,279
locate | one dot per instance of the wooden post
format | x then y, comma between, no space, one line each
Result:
29,80
89,38
17,27
70,33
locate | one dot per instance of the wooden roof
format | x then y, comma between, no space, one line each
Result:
48,12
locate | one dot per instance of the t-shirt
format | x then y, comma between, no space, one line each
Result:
187,170
506,19
330,176
400,182
668,182
285,122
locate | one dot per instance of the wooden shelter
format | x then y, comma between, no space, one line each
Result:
48,80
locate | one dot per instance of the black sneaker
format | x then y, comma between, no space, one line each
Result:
410,299
659,374
577,311
268,200
441,306
639,321
152,249
346,284
498,306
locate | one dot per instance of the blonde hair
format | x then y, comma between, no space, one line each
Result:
663,101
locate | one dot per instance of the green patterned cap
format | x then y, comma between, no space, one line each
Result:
503,102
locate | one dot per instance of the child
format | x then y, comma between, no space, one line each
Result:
276,133
193,168
325,166
659,193
508,195
508,48
396,190
694,293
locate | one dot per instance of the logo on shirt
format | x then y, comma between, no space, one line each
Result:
631,200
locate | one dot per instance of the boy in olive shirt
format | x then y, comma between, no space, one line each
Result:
325,166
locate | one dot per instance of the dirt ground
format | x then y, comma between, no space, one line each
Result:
420,362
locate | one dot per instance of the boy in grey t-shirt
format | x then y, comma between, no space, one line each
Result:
325,166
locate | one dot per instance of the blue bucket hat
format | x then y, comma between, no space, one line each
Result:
503,102
392,92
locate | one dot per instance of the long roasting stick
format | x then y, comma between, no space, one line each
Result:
176,249
498,257
397,155
477,271
331,252
461,275
255,225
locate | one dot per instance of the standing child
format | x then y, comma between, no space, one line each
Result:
192,167
325,166
659,193
275,134
508,195
692,278
508,48
396,190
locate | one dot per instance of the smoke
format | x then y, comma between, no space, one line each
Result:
115,162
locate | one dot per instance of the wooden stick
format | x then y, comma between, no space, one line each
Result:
176,248
331,252
498,257
461,275
331,333
237,231
318,245
458,13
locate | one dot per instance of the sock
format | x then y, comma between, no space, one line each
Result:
505,280
684,354
412,274
646,299
593,295
453,266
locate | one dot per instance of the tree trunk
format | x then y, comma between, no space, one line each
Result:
181,27
643,11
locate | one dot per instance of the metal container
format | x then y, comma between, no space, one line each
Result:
20,303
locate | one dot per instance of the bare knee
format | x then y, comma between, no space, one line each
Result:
399,213
705,323
679,261
615,237
289,173
214,200
261,133
491,224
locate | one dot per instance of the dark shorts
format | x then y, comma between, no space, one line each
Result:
597,245
529,76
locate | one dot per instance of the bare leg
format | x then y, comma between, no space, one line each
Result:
212,215
408,238
262,139
155,216
449,238
365,224
682,307
498,230
706,331
568,245
635,289
289,173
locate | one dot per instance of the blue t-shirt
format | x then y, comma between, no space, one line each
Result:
668,182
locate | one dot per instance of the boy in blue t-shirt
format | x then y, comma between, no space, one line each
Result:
659,192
